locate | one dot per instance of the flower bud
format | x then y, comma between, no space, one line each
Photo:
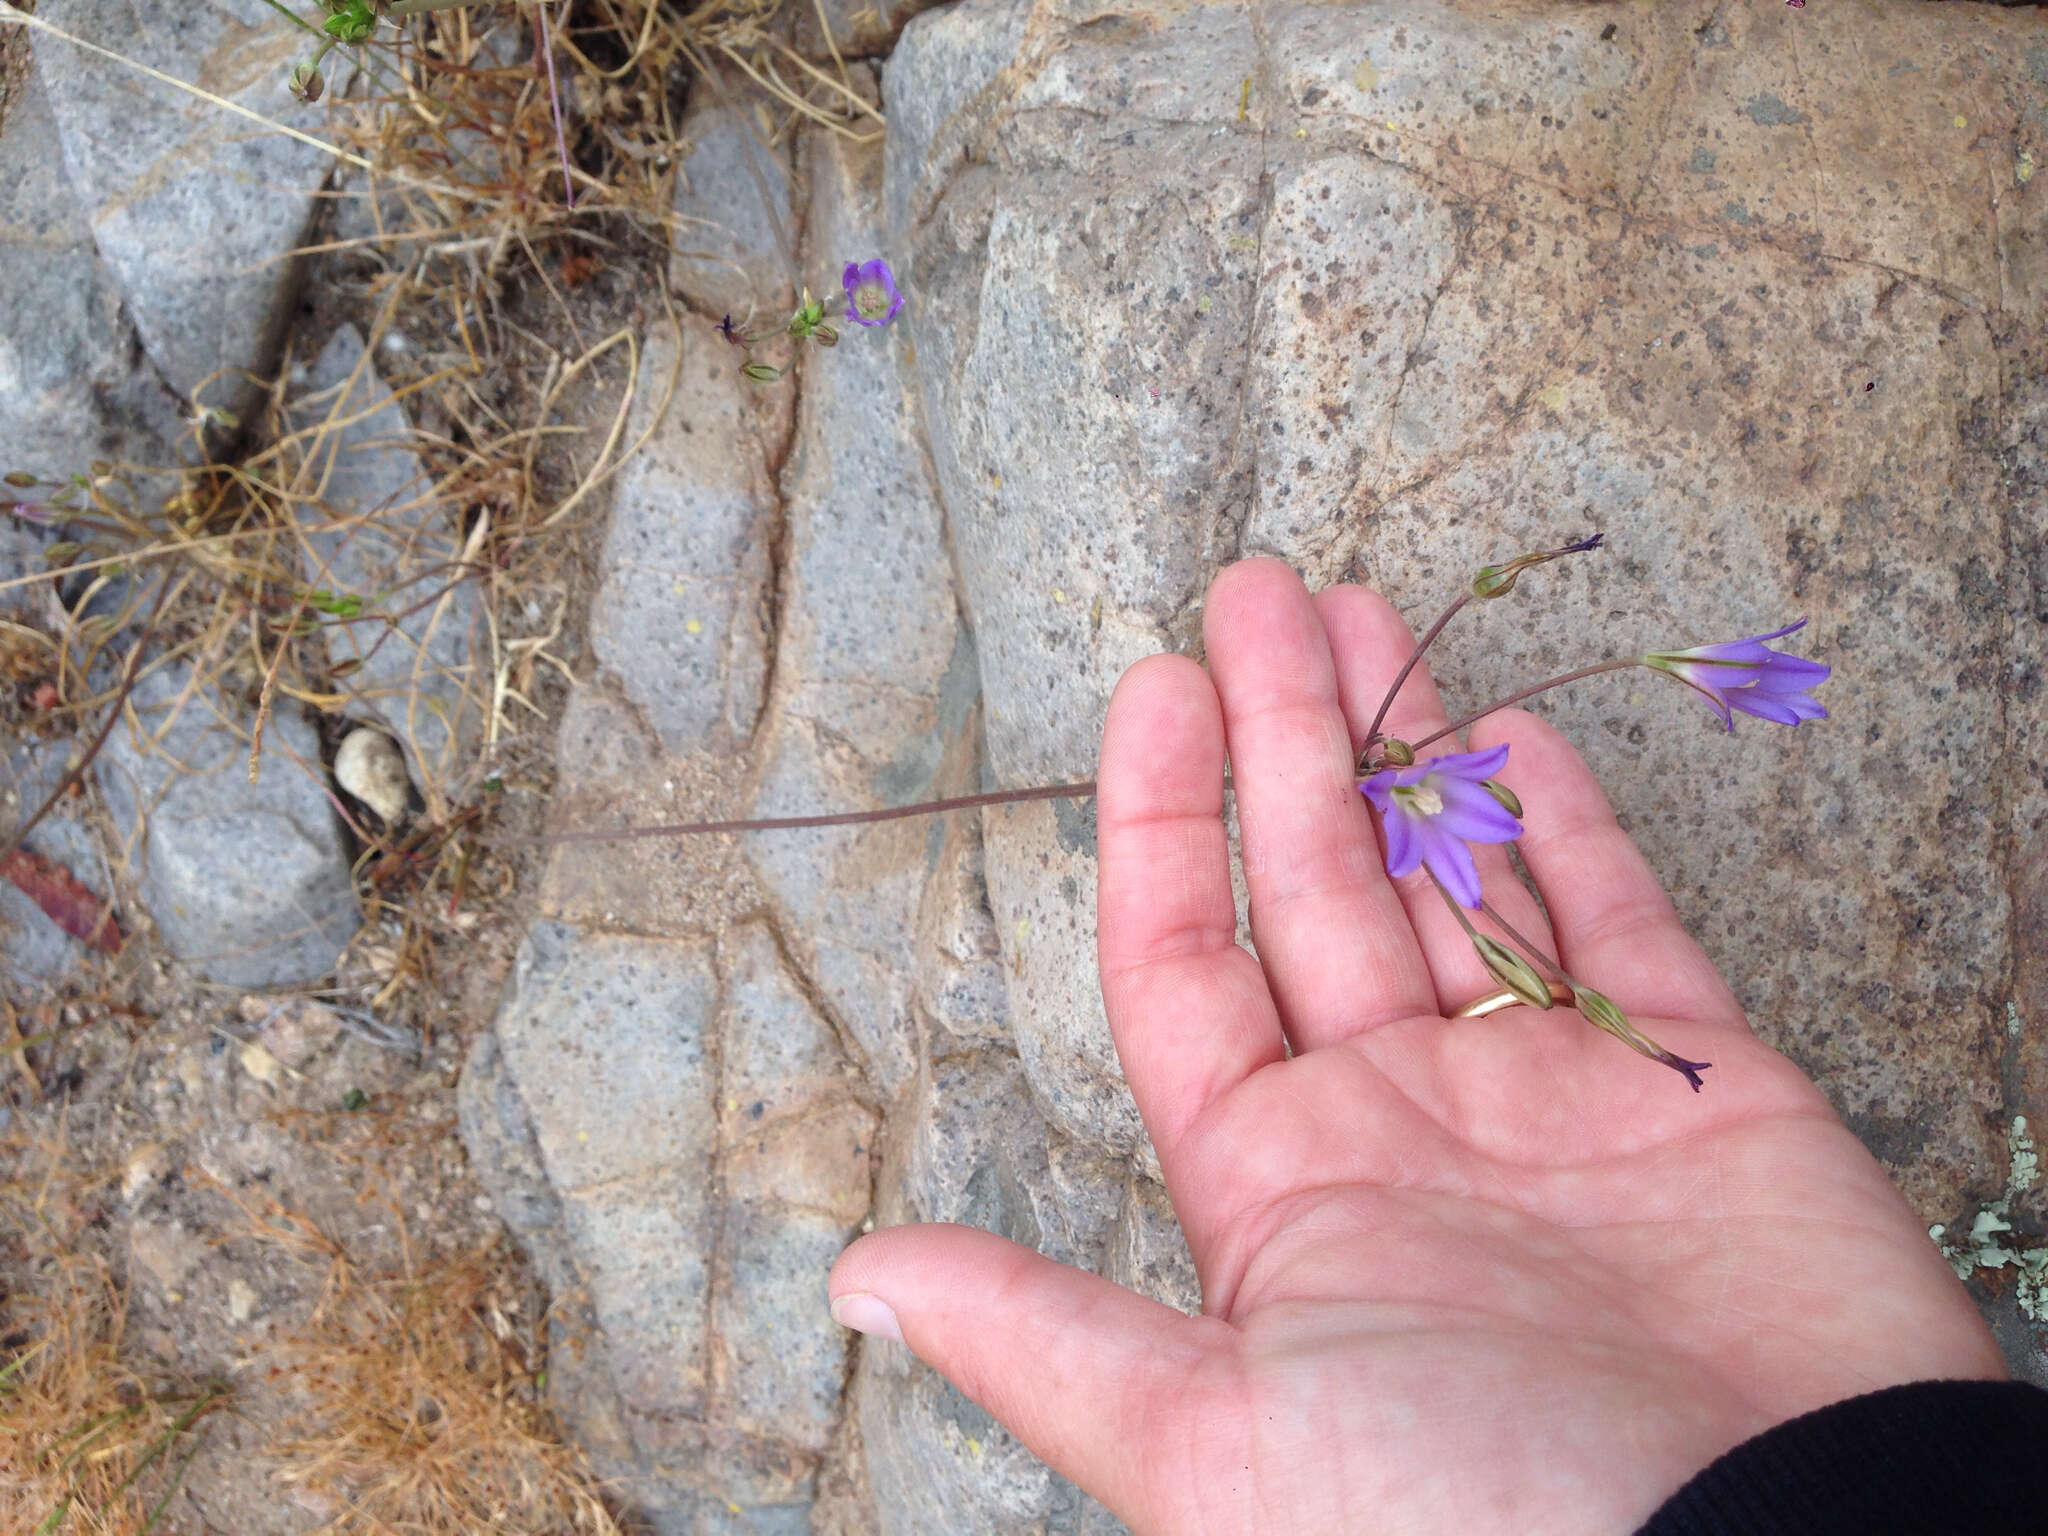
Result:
1600,1011
306,82
761,373
825,336
22,480
1512,972
1396,753
1499,580
1496,580
1509,800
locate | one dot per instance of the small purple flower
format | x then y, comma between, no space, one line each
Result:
872,297
1748,675
1434,808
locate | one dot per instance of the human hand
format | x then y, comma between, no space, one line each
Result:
1471,1275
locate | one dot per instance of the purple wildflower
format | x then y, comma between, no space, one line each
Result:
1748,675
1434,808
872,297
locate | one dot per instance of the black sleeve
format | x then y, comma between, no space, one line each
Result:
1936,1456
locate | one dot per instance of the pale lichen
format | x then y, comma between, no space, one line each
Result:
1982,1248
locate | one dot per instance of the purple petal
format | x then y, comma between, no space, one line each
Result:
1473,766
1451,862
1404,842
1379,789
1472,814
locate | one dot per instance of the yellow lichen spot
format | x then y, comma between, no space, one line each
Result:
1365,77
1551,398
1962,121
1301,133
1392,126
1059,594
1204,304
694,626
677,588
974,1447
1023,928
732,1508
2024,166
1244,100
998,479
583,1135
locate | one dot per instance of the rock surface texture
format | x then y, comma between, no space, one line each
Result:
374,534
248,883
1387,290
192,216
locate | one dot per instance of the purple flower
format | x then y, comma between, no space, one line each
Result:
872,297
1434,808
1748,675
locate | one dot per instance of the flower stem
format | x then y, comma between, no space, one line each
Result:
1528,693
1080,791
1535,951
1414,656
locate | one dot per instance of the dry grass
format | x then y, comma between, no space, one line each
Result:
85,1443
421,1412
416,1407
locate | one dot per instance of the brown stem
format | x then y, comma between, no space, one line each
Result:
77,770
1080,791
1526,693
1414,656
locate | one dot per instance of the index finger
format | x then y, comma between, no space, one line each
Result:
1189,1009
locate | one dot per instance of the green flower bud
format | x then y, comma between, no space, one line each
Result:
1600,1011
306,83
761,373
22,480
1396,753
825,336
1512,972
1496,580
1499,580
1509,801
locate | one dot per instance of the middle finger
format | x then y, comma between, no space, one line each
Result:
1333,937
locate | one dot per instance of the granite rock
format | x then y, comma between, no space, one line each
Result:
683,617
193,210
875,678
372,530
1450,282
30,943
248,883
735,209
674,1135
74,384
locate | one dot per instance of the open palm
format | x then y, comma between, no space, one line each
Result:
1458,1275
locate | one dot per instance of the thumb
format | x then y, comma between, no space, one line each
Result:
1077,1368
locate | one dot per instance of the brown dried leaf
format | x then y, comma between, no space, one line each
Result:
64,899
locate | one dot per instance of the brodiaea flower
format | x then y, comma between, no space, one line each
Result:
871,294
1434,808
1748,675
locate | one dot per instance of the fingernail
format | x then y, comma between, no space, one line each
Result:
864,1313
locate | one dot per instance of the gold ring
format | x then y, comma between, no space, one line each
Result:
1493,1002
